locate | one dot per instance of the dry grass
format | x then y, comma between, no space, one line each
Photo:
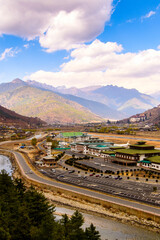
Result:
126,138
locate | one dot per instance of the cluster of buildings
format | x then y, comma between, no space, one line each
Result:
138,118
93,146
139,154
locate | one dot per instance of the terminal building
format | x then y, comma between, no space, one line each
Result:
135,153
151,162
93,146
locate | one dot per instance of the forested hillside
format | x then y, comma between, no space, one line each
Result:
25,214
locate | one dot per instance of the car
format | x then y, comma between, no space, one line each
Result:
91,175
97,175
53,170
116,178
120,178
71,171
61,176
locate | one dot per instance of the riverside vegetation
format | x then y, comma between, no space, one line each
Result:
25,214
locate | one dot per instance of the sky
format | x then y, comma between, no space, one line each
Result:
81,43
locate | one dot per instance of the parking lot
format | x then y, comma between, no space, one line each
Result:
138,191
103,165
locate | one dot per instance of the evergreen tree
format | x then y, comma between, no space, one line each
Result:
25,214
91,233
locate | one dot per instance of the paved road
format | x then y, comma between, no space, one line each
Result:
28,172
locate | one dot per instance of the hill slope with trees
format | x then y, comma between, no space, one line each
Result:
11,118
25,214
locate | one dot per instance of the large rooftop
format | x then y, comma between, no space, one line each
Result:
155,159
136,151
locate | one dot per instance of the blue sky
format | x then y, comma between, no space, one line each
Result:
44,41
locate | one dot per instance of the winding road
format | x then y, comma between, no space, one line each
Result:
26,170
31,175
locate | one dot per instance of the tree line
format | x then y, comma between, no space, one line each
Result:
25,214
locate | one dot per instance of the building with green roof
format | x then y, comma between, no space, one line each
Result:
136,152
151,162
73,136
91,146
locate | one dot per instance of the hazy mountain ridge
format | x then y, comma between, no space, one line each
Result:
110,102
125,101
95,107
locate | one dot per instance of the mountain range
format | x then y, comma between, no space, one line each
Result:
121,102
11,118
73,105
47,105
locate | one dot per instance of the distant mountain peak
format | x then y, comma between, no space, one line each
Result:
17,80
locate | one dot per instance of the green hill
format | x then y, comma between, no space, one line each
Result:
46,105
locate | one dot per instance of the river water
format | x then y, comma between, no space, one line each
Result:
6,165
112,229
108,228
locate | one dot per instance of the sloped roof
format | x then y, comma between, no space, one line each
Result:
136,151
155,159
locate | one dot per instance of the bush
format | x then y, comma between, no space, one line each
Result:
154,189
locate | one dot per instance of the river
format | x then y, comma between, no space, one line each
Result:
108,228
112,229
6,165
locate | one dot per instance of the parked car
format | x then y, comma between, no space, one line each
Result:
91,175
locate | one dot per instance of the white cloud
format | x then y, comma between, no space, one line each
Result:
105,63
148,15
26,45
93,57
8,52
158,47
58,24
